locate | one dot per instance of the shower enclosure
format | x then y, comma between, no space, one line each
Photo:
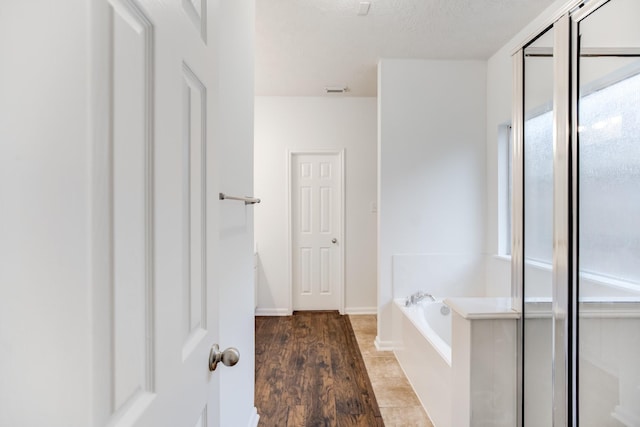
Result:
576,224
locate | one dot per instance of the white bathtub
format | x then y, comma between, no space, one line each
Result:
422,345
433,320
434,348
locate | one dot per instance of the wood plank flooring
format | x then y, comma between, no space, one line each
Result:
310,373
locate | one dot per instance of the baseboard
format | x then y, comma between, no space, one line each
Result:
361,310
273,312
383,345
253,421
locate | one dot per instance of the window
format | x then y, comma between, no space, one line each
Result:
610,199
609,144
505,188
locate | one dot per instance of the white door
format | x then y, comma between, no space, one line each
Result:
112,241
317,231
162,316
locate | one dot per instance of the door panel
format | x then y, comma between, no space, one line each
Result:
317,237
195,212
132,216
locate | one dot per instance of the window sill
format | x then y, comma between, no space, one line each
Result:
589,278
506,258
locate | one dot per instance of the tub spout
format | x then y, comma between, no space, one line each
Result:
417,297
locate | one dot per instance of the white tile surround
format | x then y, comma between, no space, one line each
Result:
484,362
440,274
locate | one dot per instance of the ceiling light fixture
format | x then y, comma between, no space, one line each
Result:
336,89
363,10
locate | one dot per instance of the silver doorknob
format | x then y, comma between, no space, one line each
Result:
229,357
334,240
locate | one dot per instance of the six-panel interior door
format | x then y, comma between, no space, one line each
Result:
158,318
316,221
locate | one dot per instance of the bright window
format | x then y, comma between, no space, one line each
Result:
505,188
609,194
609,144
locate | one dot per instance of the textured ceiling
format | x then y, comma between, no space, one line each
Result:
304,45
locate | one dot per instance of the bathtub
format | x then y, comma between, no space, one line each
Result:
433,320
422,345
433,343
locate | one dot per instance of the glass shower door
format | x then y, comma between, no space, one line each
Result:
576,247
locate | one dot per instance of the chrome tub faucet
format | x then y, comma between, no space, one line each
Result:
417,297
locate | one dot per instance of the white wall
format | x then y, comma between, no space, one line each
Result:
45,345
300,123
432,168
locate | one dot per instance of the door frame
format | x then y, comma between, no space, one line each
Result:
563,317
341,229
